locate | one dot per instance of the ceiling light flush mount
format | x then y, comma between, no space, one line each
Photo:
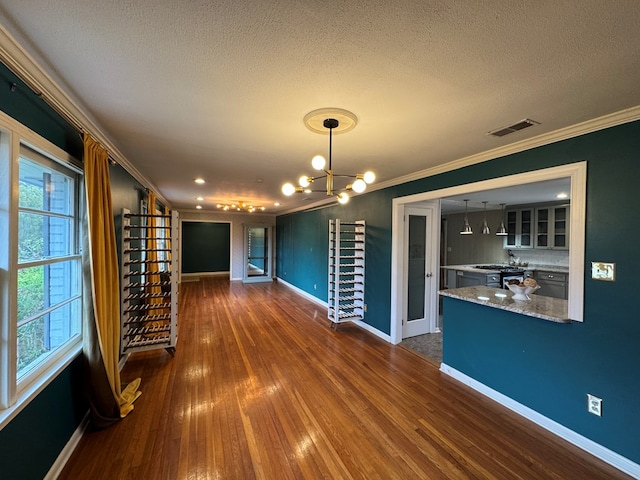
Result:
331,121
240,207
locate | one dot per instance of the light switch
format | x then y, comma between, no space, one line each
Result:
603,271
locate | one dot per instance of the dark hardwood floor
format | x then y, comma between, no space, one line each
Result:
261,388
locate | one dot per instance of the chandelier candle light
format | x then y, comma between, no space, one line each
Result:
330,121
240,206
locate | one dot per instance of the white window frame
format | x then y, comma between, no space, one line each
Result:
14,394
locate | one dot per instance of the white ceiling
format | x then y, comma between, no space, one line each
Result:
219,89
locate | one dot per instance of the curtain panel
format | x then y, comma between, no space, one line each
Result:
108,400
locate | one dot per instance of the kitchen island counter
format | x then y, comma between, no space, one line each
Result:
546,308
470,268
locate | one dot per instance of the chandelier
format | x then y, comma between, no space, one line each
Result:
330,121
239,207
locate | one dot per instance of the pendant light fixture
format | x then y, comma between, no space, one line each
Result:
485,227
502,232
330,119
466,229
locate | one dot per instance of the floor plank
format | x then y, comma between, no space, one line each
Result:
261,388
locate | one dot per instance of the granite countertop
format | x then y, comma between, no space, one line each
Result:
469,268
548,268
546,308
531,266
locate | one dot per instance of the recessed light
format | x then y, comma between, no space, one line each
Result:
562,195
199,180
277,204
200,199
199,207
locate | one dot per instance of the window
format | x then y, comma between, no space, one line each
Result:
41,300
49,301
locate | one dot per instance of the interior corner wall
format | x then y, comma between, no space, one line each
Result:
548,368
238,221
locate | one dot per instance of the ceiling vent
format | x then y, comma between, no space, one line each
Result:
501,132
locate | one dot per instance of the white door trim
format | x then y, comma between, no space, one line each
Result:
398,267
578,174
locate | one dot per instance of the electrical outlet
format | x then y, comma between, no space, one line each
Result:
594,405
365,307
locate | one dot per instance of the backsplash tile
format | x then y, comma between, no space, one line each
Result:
558,258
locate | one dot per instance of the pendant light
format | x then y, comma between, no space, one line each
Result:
466,229
485,227
334,121
502,232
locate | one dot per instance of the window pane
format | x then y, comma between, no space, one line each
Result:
39,337
43,188
45,286
43,236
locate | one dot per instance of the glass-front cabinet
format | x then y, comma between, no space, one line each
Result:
552,227
519,224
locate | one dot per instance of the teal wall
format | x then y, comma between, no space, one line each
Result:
32,441
30,110
547,367
206,247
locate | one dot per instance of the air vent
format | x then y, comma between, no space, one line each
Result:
501,132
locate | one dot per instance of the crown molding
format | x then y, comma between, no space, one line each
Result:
589,126
28,69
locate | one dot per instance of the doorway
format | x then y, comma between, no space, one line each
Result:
576,172
425,218
257,254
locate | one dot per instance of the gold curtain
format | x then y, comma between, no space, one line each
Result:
109,402
155,231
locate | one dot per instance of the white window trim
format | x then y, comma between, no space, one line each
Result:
14,396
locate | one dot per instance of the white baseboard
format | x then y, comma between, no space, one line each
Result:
316,300
302,293
612,458
194,277
68,449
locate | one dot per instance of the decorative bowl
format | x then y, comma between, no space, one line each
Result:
522,292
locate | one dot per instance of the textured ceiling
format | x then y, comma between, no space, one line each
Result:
219,89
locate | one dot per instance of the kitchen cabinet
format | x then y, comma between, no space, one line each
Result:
519,224
552,227
552,284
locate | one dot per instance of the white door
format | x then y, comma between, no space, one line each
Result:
418,272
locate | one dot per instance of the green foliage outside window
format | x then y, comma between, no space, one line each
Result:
31,293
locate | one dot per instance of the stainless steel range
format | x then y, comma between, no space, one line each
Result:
506,273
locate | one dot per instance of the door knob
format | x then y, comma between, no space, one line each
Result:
428,275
